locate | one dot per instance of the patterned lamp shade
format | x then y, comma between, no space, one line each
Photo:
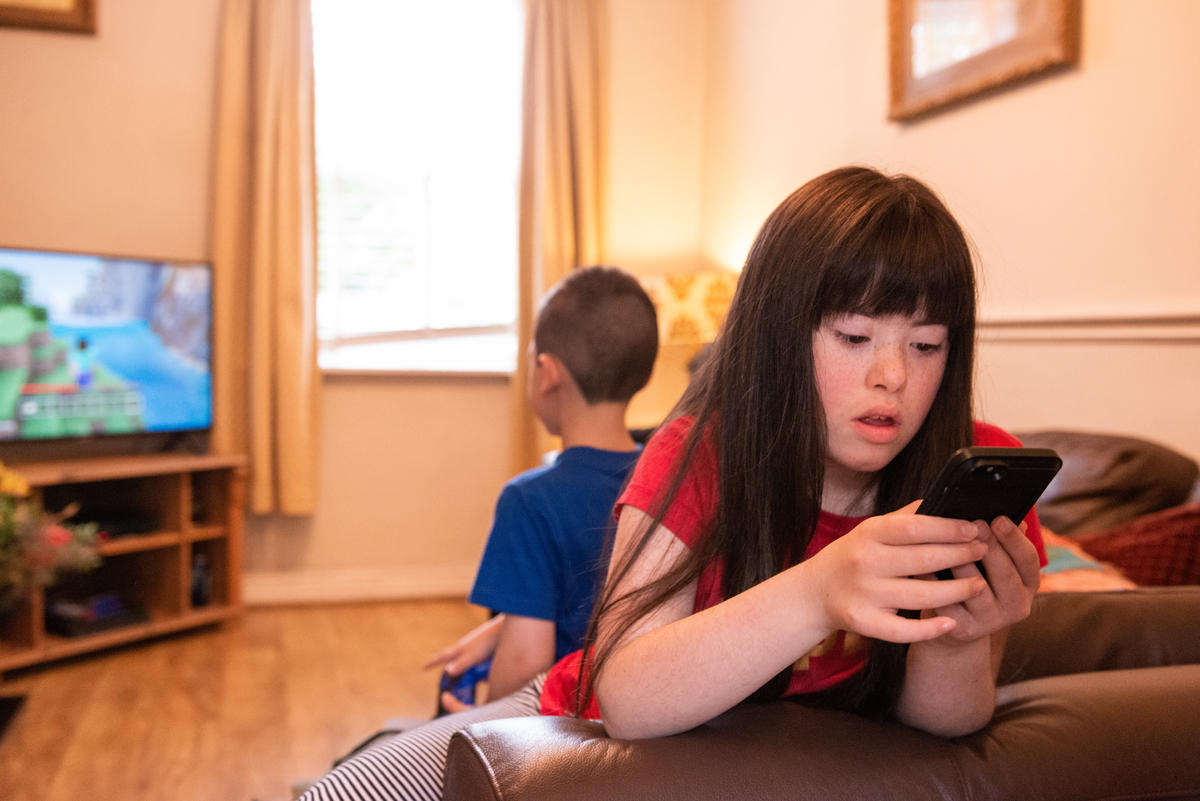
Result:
691,306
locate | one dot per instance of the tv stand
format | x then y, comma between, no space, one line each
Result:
191,510
186,442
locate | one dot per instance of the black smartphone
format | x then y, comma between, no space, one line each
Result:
983,483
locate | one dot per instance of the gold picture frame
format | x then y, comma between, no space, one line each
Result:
74,16
943,53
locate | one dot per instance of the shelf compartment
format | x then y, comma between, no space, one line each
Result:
145,580
217,584
126,507
210,499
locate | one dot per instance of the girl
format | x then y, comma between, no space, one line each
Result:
767,538
764,544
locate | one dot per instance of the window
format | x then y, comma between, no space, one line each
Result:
418,125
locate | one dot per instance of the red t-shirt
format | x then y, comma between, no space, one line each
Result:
832,660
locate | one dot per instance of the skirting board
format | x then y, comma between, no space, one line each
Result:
267,588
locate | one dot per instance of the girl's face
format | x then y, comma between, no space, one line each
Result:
877,377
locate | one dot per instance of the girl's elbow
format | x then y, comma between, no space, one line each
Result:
627,721
959,724
618,725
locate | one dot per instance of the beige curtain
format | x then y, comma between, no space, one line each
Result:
562,172
264,252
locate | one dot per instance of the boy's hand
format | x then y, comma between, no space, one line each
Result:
474,647
452,704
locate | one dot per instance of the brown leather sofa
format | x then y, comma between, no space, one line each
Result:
1100,700
1100,695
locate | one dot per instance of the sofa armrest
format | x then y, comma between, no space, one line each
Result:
1076,632
1114,734
750,752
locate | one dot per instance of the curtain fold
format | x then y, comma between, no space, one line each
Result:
264,252
562,172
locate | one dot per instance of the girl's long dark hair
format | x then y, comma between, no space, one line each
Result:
852,240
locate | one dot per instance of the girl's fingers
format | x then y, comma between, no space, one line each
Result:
906,593
1021,551
1012,560
902,528
894,628
917,560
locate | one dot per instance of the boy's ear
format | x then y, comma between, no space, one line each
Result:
549,373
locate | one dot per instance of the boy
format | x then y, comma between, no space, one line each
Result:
594,346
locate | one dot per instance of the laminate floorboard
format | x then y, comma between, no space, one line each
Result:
237,712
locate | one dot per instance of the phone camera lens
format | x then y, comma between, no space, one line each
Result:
989,473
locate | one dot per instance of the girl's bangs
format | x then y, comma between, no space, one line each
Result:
906,269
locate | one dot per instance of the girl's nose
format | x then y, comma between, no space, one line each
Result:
888,370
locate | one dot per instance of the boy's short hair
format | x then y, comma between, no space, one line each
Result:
602,325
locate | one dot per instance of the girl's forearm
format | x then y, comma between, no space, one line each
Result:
693,668
949,688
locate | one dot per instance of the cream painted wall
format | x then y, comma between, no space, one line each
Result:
1078,190
655,134
411,467
106,140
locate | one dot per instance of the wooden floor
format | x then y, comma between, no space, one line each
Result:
231,713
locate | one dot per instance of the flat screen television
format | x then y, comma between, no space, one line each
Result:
95,346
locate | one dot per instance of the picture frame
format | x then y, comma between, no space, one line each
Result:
72,16
944,53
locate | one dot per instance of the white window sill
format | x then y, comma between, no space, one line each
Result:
484,355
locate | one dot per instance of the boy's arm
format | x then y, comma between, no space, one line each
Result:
525,649
472,648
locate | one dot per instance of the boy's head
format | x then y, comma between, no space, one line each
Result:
601,324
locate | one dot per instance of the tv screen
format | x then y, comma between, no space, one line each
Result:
96,345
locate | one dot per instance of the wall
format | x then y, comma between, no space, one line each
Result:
410,470
1078,191
107,139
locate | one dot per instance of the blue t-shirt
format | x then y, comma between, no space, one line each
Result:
543,554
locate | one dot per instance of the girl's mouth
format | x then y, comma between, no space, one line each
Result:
877,428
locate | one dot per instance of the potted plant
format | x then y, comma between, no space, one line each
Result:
37,546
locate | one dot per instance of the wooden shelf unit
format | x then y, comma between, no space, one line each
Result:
187,505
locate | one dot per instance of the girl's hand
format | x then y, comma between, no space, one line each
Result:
1013,576
867,576
949,687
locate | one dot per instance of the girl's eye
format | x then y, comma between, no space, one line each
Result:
852,339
